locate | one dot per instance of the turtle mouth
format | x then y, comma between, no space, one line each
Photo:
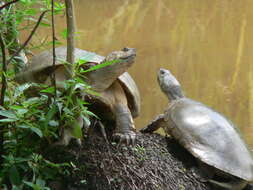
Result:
128,58
130,53
125,55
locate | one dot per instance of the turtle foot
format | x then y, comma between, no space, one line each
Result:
127,138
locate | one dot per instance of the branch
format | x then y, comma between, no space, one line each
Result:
29,37
54,54
4,69
7,4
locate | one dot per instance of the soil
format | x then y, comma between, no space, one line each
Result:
153,163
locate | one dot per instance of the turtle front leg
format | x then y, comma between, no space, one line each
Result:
155,124
125,129
117,100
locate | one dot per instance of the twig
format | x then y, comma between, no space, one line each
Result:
4,69
28,39
7,4
54,54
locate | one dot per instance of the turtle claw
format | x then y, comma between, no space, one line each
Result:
125,138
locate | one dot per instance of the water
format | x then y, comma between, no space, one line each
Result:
207,45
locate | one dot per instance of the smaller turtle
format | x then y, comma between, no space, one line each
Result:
206,134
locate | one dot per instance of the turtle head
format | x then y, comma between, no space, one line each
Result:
169,84
125,55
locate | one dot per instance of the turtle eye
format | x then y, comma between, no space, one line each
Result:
125,49
162,72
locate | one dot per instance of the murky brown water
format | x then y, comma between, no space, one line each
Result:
208,45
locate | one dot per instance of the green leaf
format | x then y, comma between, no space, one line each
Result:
20,159
64,33
20,89
90,113
50,115
48,90
81,62
82,102
37,131
33,129
8,120
16,107
77,130
22,111
45,24
40,182
32,101
9,114
53,123
102,65
92,92
79,86
15,188
32,185
14,176
86,120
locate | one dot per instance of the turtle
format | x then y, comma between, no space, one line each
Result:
210,137
119,94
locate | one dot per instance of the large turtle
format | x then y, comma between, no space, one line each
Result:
118,91
206,134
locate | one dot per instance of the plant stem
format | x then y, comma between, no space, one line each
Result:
3,89
54,54
71,28
7,4
4,69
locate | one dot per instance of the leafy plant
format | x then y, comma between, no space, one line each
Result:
31,117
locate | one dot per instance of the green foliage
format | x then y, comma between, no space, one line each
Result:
34,121
23,16
30,122
31,118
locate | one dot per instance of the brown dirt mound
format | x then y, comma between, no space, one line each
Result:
155,162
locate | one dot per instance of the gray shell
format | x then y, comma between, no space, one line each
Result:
36,68
61,52
210,137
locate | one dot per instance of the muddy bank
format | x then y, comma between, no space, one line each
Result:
153,163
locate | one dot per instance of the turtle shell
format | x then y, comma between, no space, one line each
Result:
210,137
41,66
